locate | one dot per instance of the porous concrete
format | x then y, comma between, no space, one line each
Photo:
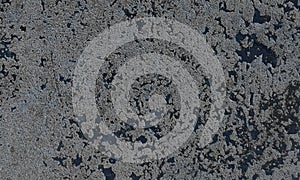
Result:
257,43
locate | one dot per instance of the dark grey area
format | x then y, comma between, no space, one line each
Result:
257,43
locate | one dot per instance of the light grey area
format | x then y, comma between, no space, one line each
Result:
257,43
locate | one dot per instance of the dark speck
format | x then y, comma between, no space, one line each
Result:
43,86
129,14
134,176
60,160
171,160
60,145
45,164
23,28
112,161
255,177
142,139
223,7
254,134
77,161
65,80
109,174
206,30
3,71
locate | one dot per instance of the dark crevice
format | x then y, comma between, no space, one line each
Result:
129,14
6,53
223,7
134,176
258,18
249,54
108,172
60,160
77,161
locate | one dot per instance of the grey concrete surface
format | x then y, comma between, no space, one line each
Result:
257,43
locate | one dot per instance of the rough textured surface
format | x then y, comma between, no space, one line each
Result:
256,41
